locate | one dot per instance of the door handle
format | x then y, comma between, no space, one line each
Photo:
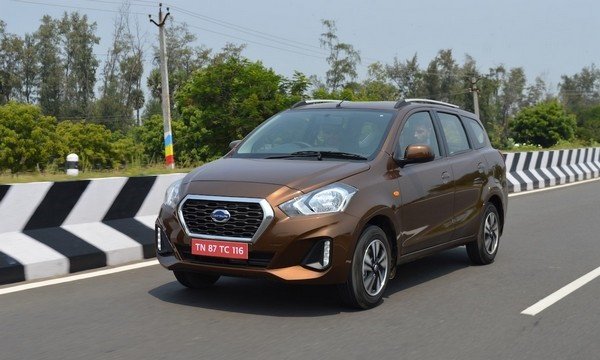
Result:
445,177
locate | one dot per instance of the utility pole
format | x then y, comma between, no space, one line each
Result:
475,92
166,105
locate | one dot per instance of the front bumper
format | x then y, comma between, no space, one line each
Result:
279,253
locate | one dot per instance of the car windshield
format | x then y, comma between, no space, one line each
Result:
323,134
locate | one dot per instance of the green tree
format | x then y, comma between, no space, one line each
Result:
588,121
11,52
182,60
580,90
122,72
450,77
580,94
30,70
297,85
431,80
512,96
47,39
543,124
536,92
79,64
224,102
29,139
342,59
406,76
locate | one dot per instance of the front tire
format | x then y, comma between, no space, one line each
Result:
370,271
483,250
195,280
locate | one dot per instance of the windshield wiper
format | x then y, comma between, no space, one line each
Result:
320,155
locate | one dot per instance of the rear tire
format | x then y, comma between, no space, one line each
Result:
195,280
370,271
483,250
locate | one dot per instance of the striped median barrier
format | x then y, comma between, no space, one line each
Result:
51,229
539,169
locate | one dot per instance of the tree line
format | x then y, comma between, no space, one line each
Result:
53,79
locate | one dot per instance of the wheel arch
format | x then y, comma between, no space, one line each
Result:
387,225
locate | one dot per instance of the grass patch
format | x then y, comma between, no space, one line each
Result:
130,171
561,145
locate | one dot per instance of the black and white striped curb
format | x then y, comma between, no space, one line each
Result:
49,229
539,169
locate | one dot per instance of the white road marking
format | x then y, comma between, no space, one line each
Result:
71,278
551,299
553,187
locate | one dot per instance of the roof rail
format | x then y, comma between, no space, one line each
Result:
314,101
403,102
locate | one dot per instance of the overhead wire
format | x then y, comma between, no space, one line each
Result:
249,41
71,7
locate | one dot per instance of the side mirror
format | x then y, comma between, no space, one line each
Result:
234,143
414,154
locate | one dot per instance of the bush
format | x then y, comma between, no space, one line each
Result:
91,142
28,138
544,124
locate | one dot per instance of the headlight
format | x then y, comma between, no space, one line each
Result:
172,194
328,199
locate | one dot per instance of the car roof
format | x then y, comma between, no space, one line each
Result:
379,105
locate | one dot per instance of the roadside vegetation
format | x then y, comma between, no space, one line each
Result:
57,97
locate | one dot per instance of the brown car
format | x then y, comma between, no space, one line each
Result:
338,192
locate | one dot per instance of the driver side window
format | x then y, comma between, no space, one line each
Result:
419,130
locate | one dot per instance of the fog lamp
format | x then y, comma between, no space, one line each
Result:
158,239
326,253
319,257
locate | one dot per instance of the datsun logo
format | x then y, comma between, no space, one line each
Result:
220,216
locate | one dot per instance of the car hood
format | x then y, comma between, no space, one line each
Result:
303,175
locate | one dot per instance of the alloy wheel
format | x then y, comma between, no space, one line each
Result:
375,267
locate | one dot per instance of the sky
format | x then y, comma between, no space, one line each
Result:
548,38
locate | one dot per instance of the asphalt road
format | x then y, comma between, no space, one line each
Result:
440,307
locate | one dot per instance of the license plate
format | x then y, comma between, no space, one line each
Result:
222,249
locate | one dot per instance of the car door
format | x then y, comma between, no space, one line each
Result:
469,167
426,189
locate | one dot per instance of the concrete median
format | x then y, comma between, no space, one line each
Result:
51,229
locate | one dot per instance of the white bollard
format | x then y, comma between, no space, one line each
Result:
72,164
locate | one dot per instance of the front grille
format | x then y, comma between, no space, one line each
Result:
246,218
255,258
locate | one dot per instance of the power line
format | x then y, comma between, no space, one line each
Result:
72,7
249,41
244,29
131,2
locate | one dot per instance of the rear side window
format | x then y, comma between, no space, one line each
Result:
454,133
478,133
